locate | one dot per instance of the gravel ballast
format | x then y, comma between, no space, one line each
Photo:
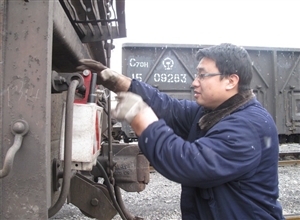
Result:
160,199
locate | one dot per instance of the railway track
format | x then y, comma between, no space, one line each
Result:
289,155
289,158
288,162
292,217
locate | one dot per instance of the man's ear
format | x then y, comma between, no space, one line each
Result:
233,81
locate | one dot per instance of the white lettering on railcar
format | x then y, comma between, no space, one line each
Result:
170,78
137,76
134,63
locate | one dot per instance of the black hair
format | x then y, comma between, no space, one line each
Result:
230,59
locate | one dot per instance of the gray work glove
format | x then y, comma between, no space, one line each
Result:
129,105
108,78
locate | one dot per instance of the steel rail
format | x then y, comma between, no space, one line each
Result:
292,216
288,162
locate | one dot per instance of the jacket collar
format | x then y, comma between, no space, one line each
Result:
226,108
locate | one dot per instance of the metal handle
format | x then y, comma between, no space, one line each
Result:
19,129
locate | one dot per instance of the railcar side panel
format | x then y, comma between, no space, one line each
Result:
171,69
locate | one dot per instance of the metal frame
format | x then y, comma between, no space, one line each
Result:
26,94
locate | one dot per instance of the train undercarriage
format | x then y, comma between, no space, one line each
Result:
45,101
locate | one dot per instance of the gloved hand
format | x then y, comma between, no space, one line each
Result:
129,105
108,78
135,111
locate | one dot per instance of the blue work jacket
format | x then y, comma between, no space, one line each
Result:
229,172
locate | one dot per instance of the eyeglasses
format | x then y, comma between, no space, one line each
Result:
202,76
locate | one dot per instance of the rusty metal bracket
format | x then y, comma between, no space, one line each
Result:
91,198
131,168
19,129
62,81
56,174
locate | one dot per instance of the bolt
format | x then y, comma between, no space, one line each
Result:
94,202
292,87
60,80
86,72
18,127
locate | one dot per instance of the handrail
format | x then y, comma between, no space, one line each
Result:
19,129
67,173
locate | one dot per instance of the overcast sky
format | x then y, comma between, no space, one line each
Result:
263,23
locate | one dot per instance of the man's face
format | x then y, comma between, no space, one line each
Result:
209,90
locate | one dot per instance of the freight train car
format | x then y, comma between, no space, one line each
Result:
172,68
55,126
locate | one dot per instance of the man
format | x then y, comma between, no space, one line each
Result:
223,148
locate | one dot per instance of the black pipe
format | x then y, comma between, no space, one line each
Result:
110,190
92,95
67,150
108,47
122,206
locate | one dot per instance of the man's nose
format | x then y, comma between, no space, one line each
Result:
195,83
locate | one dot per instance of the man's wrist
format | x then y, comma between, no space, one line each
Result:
142,120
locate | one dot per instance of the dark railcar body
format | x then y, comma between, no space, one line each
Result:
171,69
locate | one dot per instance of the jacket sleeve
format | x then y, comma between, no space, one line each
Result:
178,114
228,151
